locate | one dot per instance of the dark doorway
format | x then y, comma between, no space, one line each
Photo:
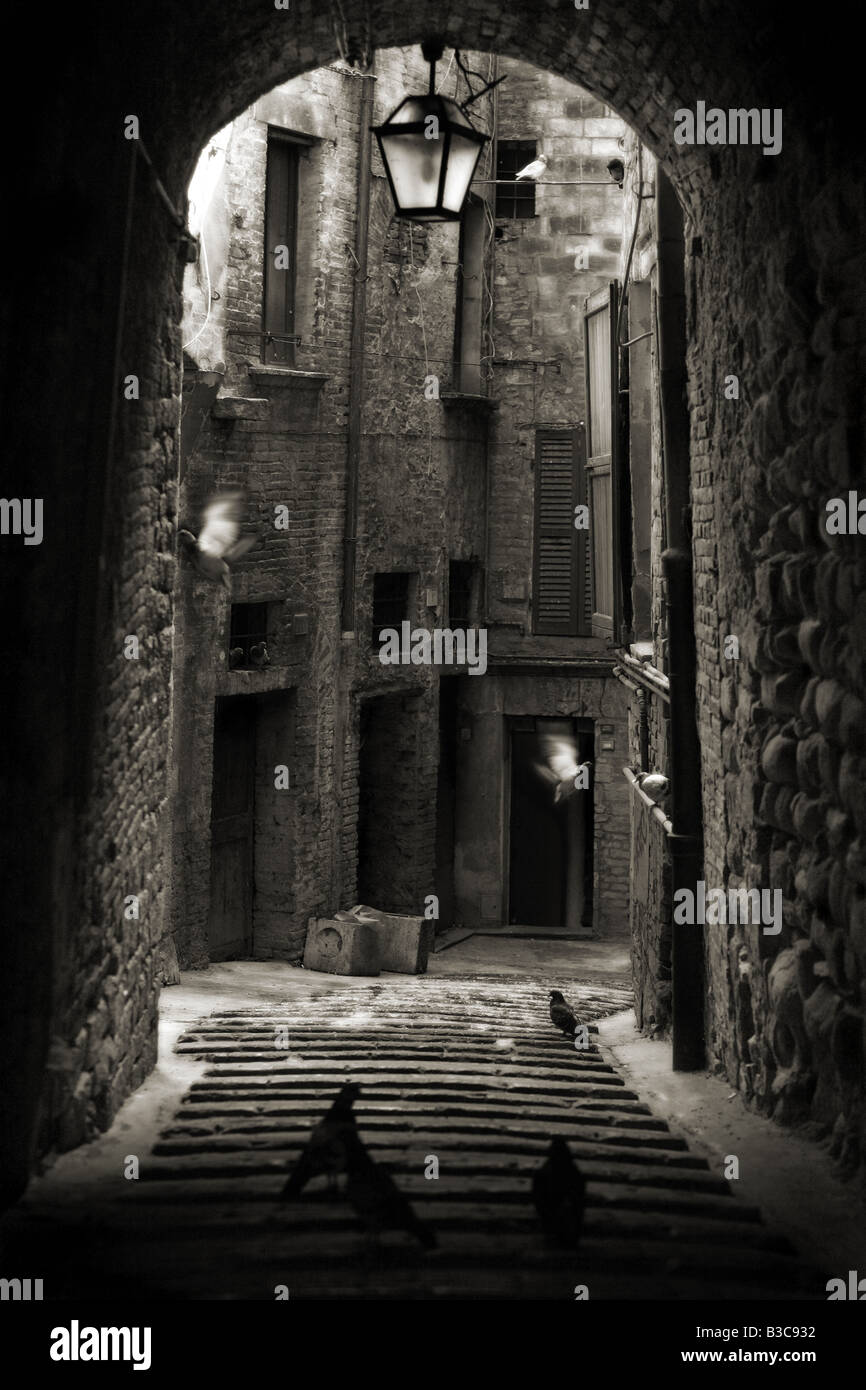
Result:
232,827
446,792
551,825
389,819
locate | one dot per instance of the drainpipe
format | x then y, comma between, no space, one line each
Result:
686,839
340,892
356,367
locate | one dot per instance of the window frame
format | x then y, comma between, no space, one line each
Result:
280,227
601,465
517,193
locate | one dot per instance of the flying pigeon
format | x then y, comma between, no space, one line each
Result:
259,655
654,784
219,542
559,1194
377,1199
560,1014
534,170
327,1147
236,657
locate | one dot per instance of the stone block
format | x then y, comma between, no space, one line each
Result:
341,948
404,942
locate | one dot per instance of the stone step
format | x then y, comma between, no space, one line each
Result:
436,1113
178,1161
535,1136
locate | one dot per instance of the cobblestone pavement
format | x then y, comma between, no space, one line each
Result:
469,1070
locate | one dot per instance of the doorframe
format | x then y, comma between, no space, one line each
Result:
583,726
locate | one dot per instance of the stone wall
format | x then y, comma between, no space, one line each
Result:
539,295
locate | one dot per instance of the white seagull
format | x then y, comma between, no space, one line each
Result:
219,542
534,170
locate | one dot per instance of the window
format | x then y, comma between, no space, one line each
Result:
469,306
281,226
514,199
249,628
461,593
603,493
560,591
390,601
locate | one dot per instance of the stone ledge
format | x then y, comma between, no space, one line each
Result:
240,408
264,374
453,399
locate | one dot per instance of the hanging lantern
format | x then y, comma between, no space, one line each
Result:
430,151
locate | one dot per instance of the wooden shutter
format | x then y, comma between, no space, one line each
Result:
602,491
281,217
559,564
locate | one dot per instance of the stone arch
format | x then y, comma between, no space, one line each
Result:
766,294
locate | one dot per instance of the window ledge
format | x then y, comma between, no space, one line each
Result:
288,376
470,401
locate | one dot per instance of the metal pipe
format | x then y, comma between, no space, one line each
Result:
356,363
643,720
551,183
686,839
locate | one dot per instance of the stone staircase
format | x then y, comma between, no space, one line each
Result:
471,1072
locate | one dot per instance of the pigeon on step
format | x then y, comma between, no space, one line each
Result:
378,1200
259,655
560,1014
327,1147
559,1194
219,543
236,658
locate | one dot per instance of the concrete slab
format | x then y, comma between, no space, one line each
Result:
342,947
787,1174
404,942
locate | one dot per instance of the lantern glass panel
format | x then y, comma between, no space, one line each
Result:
462,159
415,164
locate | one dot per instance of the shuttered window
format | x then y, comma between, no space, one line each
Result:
559,595
281,221
601,395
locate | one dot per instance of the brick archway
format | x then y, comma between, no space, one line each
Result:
769,299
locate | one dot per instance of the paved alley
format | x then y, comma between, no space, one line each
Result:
467,1070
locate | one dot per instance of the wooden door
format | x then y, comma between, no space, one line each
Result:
232,810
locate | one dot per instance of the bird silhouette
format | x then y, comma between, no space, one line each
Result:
236,657
559,1194
378,1200
219,543
259,655
533,170
326,1150
560,1014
